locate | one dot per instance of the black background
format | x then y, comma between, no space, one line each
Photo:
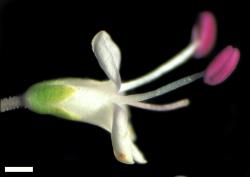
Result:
44,40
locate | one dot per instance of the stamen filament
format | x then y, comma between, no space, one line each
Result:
164,68
166,88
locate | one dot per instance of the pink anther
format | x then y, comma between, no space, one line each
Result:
205,32
222,66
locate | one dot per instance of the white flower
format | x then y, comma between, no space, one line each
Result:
109,103
105,103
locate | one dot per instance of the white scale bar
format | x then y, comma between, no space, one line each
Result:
18,169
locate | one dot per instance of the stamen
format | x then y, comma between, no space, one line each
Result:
135,100
205,31
222,66
164,68
11,103
166,88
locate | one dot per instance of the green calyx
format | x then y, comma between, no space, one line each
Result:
45,98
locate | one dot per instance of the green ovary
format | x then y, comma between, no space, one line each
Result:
45,98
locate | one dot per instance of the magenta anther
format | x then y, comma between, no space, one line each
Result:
205,32
222,66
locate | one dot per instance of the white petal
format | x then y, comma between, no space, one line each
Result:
138,155
108,55
130,124
90,102
121,140
131,130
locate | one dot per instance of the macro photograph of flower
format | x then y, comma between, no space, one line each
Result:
124,88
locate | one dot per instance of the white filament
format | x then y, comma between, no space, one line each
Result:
164,68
